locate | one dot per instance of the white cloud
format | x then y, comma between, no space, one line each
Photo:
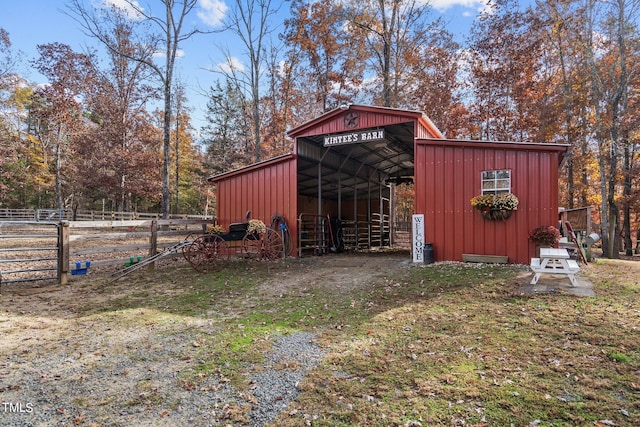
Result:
162,53
130,8
231,65
212,12
443,5
283,68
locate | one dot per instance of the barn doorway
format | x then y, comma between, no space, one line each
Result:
346,187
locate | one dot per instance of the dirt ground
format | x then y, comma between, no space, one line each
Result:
64,361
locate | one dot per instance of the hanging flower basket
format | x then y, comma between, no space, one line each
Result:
496,207
496,214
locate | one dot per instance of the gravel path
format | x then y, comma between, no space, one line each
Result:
123,378
63,366
293,355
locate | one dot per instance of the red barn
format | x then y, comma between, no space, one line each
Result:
344,166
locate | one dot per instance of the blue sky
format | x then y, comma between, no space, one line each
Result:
34,22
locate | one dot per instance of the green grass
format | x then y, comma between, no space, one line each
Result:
619,357
450,344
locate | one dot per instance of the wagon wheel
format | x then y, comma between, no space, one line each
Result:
267,246
251,247
273,245
207,253
192,236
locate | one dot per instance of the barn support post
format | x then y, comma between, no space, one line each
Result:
356,226
355,205
320,187
340,169
153,243
326,151
339,196
63,252
392,214
381,195
369,213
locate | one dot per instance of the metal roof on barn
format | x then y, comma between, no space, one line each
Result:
362,167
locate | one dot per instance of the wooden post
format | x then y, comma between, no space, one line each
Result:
63,252
153,242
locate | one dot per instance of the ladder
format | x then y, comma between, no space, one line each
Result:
574,239
169,251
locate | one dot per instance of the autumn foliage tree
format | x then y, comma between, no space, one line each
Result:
120,142
190,189
56,114
13,104
510,85
329,60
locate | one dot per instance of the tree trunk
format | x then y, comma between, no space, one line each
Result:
168,77
177,169
626,225
58,183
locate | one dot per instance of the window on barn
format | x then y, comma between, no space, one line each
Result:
496,181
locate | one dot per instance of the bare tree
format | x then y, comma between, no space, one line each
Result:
249,20
158,31
393,29
8,58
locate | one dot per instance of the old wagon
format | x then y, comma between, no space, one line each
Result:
251,241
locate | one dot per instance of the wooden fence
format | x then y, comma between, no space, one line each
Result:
102,244
85,215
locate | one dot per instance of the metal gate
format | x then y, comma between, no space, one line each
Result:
31,251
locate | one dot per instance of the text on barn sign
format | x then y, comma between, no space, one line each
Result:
418,237
354,137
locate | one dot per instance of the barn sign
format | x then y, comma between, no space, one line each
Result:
367,135
418,237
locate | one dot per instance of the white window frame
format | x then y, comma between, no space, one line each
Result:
496,181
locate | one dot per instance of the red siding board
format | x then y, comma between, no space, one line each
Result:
262,190
447,176
448,197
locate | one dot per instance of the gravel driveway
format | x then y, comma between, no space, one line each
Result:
59,366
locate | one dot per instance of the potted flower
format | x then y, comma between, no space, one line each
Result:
256,226
495,206
545,235
215,229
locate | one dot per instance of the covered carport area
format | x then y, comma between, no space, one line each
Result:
348,163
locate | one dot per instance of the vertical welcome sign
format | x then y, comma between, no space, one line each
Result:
418,237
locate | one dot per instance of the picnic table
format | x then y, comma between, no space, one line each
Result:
554,261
